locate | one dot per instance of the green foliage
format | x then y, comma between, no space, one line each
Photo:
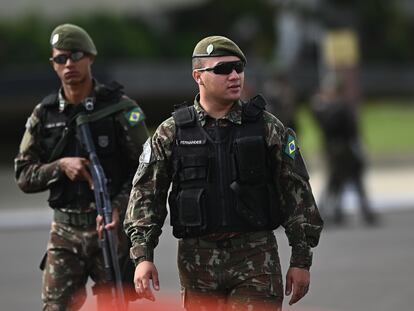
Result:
309,134
118,37
248,22
27,40
24,41
384,29
387,126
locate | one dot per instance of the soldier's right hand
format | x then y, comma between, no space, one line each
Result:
144,272
76,169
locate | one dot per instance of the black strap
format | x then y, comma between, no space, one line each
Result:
185,116
254,108
102,113
82,118
49,99
108,92
57,151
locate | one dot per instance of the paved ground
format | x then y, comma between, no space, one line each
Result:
355,268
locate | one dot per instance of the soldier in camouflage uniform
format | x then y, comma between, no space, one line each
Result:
52,158
346,162
236,174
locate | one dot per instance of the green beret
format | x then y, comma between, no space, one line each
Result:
72,37
217,46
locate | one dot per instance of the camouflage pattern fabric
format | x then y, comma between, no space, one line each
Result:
73,252
147,209
223,273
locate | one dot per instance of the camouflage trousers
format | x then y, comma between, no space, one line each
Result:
241,273
73,254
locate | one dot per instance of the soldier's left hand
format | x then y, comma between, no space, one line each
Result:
297,279
111,226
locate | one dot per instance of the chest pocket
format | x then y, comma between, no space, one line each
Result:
250,156
193,167
103,132
52,132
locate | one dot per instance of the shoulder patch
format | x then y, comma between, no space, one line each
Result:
29,123
290,148
134,116
146,152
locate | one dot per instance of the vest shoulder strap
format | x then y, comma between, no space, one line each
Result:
185,116
49,100
253,109
111,92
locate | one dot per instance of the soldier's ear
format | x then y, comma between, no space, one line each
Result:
197,77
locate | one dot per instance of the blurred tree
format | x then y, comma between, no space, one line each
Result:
250,23
24,40
384,28
120,37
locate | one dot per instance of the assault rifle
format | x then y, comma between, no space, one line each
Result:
103,206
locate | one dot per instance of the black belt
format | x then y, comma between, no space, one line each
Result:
238,240
75,219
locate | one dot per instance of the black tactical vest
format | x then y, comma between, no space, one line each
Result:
221,175
77,195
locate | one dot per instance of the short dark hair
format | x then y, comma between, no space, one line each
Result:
197,62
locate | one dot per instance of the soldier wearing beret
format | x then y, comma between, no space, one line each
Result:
51,157
237,174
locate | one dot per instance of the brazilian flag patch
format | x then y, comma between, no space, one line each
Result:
290,149
134,116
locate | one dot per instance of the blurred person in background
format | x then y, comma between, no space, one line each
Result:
343,149
237,174
281,97
51,157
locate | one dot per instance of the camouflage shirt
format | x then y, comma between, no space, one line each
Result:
34,172
147,209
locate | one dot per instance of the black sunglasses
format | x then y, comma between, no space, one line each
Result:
63,58
225,68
